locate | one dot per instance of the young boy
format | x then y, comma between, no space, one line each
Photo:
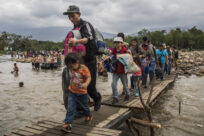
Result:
80,79
15,69
119,72
163,59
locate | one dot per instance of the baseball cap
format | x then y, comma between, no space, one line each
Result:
118,39
72,9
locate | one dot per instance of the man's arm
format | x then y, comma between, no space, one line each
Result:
73,41
166,59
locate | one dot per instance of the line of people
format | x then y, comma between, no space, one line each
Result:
150,61
44,60
79,75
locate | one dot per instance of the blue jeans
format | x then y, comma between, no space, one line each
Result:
151,70
169,66
123,78
162,70
73,100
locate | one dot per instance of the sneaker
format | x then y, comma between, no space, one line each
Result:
137,93
88,119
126,98
67,128
144,86
97,104
115,100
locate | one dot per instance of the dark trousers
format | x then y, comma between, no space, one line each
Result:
37,65
132,82
92,86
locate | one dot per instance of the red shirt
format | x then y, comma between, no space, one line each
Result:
120,67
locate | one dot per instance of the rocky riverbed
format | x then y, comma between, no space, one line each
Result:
191,63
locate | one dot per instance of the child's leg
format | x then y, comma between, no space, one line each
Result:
82,100
123,78
114,85
135,83
71,108
136,79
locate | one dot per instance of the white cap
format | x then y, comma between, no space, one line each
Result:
118,39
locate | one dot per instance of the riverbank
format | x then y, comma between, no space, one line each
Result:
191,63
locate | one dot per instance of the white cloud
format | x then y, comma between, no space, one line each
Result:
107,15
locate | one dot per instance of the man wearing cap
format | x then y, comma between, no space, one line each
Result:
88,40
119,73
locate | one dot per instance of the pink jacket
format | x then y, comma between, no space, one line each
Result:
76,49
138,73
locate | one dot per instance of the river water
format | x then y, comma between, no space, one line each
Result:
41,98
190,122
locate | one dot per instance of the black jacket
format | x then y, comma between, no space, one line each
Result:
87,31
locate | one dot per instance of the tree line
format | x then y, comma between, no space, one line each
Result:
17,42
182,39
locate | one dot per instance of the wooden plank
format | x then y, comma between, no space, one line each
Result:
112,117
87,126
22,133
11,134
80,130
156,91
55,130
162,89
31,130
46,131
95,130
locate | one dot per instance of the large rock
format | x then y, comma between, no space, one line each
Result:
199,59
201,69
186,60
191,61
188,65
199,74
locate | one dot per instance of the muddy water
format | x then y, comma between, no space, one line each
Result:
190,122
41,98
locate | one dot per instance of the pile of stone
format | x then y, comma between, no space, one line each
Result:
191,63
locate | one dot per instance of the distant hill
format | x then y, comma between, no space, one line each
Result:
57,34
48,33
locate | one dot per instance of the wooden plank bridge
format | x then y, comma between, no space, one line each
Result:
104,121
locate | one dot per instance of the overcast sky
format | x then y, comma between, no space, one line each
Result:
112,16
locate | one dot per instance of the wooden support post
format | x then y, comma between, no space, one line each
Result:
145,123
179,107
